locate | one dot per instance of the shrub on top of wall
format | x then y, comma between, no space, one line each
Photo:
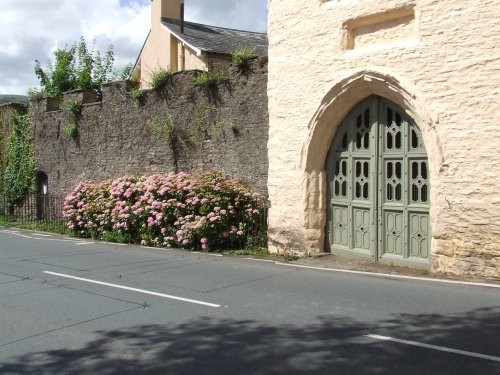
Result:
159,78
172,210
208,79
241,58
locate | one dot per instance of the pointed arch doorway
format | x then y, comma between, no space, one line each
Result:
378,186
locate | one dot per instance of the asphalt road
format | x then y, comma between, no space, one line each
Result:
71,306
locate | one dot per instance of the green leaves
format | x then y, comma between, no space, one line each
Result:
19,173
208,78
72,106
241,56
159,78
78,67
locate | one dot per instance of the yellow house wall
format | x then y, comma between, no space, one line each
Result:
195,62
163,50
439,61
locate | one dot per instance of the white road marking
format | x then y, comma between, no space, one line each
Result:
41,235
261,260
83,243
43,238
114,243
435,347
17,234
392,276
209,254
134,289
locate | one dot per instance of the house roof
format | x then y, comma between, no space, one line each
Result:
214,39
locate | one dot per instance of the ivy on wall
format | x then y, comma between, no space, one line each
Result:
20,158
3,147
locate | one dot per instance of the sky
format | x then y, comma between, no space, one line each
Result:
33,29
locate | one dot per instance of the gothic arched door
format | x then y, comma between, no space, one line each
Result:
378,186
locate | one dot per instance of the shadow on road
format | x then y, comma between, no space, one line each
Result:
329,346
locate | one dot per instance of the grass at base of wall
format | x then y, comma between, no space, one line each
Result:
42,226
4,222
262,253
52,227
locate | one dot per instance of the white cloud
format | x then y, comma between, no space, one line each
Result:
32,29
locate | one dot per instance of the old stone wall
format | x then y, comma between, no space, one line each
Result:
436,59
180,127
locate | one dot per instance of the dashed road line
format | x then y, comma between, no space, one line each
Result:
434,347
156,294
41,235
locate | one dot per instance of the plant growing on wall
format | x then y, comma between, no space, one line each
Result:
162,126
241,57
208,117
71,130
234,128
72,106
137,93
208,79
19,173
159,78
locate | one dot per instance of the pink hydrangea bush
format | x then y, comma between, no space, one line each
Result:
171,210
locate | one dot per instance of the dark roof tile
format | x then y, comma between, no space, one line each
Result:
214,39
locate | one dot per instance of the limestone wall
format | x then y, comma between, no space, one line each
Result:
436,59
224,128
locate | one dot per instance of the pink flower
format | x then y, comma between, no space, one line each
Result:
239,233
216,209
163,230
223,212
204,240
225,234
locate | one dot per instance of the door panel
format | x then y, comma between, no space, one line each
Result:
378,186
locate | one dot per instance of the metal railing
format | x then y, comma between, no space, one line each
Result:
35,211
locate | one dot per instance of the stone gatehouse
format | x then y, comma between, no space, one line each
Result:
384,131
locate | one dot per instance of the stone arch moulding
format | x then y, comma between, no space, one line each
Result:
334,107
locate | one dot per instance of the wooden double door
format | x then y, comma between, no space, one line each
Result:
378,186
